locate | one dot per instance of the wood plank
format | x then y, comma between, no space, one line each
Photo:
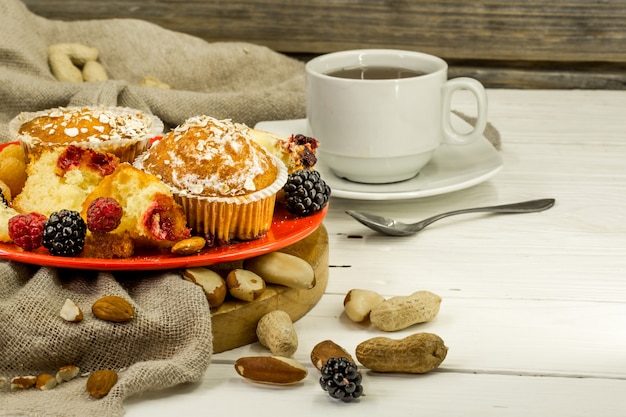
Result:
435,394
542,75
533,250
554,117
541,337
515,44
574,30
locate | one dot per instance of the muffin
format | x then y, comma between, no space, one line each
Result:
62,177
121,131
225,182
151,217
297,152
6,213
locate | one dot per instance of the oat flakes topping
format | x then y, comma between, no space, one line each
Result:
211,158
89,125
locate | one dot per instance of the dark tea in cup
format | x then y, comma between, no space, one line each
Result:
375,73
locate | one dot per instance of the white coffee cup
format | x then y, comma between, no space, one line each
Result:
384,130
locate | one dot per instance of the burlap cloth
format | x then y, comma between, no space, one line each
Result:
169,342
245,82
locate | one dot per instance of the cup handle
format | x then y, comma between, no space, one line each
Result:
450,135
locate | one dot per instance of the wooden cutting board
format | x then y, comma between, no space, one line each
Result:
234,322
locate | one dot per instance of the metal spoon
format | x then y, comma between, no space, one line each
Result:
393,227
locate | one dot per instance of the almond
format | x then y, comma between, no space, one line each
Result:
46,382
100,382
113,308
71,312
325,350
188,246
23,382
66,373
275,370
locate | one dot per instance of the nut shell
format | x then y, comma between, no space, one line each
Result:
415,354
276,331
400,312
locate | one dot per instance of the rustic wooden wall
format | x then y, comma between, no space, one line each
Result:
517,43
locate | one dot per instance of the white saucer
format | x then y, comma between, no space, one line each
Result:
452,168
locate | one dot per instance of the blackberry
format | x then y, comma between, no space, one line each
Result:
309,144
301,139
305,192
3,200
341,379
64,233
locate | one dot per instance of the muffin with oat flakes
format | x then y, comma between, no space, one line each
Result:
121,131
225,182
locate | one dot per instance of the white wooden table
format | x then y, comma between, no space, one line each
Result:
534,305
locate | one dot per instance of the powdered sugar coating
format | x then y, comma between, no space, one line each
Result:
211,158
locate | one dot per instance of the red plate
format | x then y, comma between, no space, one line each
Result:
286,229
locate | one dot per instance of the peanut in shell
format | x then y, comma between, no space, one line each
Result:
415,354
400,312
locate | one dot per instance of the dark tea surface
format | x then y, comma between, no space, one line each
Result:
375,73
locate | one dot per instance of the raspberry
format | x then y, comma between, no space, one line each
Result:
305,192
26,230
104,214
341,379
64,233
